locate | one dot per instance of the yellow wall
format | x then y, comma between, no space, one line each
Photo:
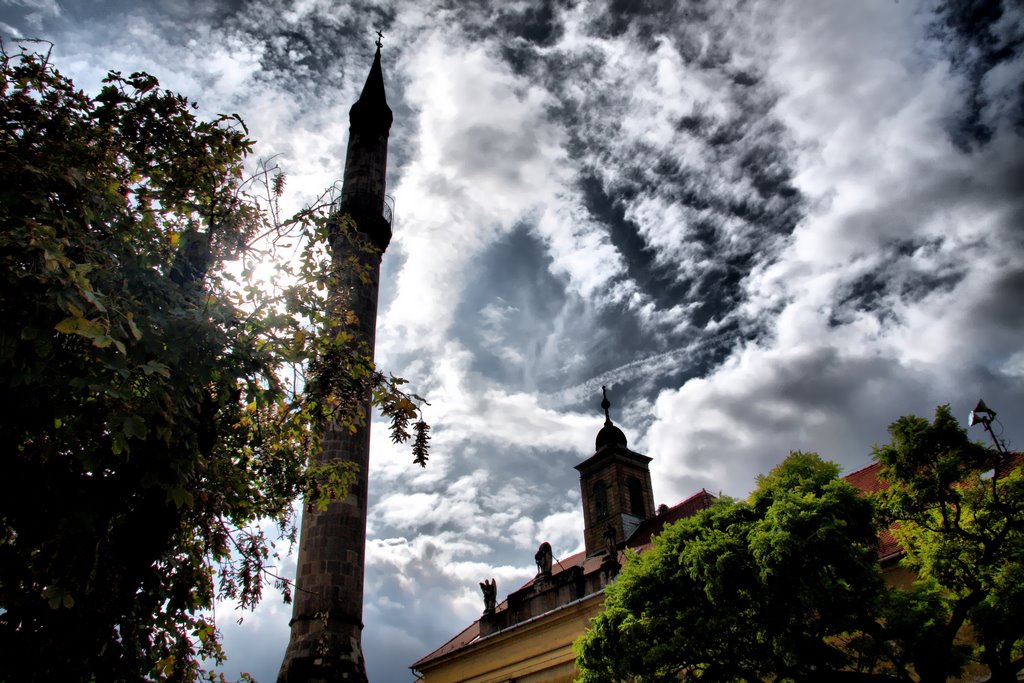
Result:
540,650
537,650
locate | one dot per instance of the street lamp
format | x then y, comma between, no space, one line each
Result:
984,416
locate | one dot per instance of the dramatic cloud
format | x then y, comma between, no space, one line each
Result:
764,225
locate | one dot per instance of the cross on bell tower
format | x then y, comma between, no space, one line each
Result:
327,616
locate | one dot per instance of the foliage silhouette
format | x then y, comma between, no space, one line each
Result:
160,396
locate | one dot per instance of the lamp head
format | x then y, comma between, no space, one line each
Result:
981,414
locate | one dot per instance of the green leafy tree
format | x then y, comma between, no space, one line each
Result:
157,399
960,512
785,585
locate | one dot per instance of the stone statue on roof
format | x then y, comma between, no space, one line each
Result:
490,591
543,558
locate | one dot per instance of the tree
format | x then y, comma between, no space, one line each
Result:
784,584
787,586
157,399
959,506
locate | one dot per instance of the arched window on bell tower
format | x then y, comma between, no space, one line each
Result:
636,497
600,499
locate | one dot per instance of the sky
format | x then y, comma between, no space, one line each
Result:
765,225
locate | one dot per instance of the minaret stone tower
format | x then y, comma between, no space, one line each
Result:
327,616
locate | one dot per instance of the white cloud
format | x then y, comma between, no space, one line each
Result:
9,31
37,11
475,174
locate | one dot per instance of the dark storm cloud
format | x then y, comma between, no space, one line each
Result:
641,260
905,272
315,42
512,299
920,265
536,23
914,259
786,407
646,17
740,145
1000,312
479,146
980,36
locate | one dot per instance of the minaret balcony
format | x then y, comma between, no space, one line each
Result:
373,213
360,204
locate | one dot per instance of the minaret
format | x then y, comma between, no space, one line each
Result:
615,484
327,616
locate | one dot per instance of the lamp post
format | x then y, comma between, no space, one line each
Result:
984,415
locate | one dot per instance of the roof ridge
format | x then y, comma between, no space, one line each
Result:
873,463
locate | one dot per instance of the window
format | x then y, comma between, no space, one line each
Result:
601,498
636,496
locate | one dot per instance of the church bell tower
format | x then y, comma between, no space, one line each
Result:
327,615
615,484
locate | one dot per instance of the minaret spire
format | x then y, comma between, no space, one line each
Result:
327,616
371,111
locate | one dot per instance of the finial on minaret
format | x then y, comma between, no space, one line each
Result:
606,404
380,36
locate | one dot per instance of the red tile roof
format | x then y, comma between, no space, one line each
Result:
1011,462
652,526
866,480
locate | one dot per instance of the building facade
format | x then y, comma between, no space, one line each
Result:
528,636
